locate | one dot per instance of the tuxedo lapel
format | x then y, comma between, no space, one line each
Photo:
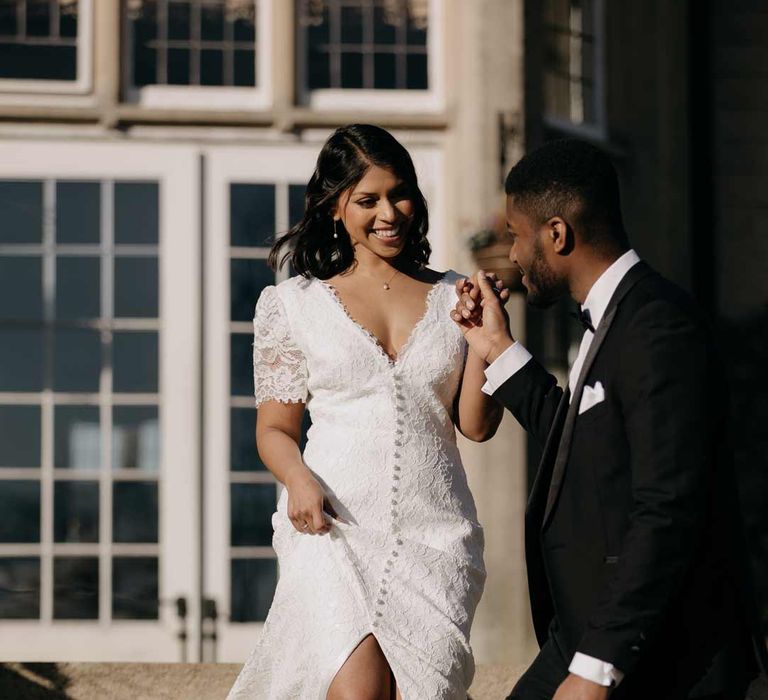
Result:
564,446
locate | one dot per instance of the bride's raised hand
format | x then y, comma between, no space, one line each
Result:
308,505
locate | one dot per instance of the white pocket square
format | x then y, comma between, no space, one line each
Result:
591,396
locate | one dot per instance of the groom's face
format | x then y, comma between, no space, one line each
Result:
531,253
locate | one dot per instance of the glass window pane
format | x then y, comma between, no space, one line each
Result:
135,362
136,287
245,67
211,67
37,61
318,69
242,430
243,19
78,212
20,511
77,437
352,25
77,360
134,588
253,587
78,288
143,19
384,71
19,588
21,208
351,70
416,71
295,203
179,20
252,214
134,517
417,28
178,67
315,17
38,17
249,277
68,19
20,436
21,288
137,207
75,588
212,21
252,506
21,360
8,18
76,511
385,23
136,438
241,368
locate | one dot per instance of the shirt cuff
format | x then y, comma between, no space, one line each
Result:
511,361
600,672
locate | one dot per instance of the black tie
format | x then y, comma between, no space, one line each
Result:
584,318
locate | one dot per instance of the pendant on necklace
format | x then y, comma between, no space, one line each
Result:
386,286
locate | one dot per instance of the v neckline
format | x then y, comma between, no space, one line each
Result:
372,337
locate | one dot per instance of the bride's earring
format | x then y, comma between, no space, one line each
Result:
335,228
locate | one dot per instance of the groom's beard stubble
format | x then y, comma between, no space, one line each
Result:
544,287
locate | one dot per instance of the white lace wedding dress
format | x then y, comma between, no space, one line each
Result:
408,566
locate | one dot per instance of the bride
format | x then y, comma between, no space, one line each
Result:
376,532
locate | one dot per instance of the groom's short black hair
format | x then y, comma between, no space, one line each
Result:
575,180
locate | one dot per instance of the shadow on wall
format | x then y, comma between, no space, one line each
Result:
37,681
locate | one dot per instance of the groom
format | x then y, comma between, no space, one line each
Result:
633,543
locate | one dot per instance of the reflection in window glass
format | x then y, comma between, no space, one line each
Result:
37,43
252,214
134,517
136,287
186,42
76,511
569,60
20,436
78,212
241,367
21,288
136,212
75,588
252,506
21,360
19,588
77,360
21,211
135,438
248,279
78,288
135,362
77,437
20,509
134,588
253,584
351,47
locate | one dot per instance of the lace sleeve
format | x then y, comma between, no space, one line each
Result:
279,366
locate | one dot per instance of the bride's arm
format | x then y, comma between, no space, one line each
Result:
477,415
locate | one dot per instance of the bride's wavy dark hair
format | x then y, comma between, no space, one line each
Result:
342,163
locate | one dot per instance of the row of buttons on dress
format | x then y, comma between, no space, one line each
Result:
394,501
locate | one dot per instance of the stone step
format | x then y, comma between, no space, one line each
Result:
140,681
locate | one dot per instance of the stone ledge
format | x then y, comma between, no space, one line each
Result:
139,681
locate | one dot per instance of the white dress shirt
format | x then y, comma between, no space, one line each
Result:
516,357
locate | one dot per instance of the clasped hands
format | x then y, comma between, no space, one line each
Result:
480,314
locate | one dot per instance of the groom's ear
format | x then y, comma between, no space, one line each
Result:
560,235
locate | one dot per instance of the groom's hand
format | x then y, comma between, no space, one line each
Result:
577,688
481,315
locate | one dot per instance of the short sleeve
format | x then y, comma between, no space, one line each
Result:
279,366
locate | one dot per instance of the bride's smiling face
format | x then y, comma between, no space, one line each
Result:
377,213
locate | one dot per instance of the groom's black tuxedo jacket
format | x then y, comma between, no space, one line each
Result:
632,530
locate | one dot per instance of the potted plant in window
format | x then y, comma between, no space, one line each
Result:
490,251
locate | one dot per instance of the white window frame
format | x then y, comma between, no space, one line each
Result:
596,130
419,101
176,169
84,82
209,97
